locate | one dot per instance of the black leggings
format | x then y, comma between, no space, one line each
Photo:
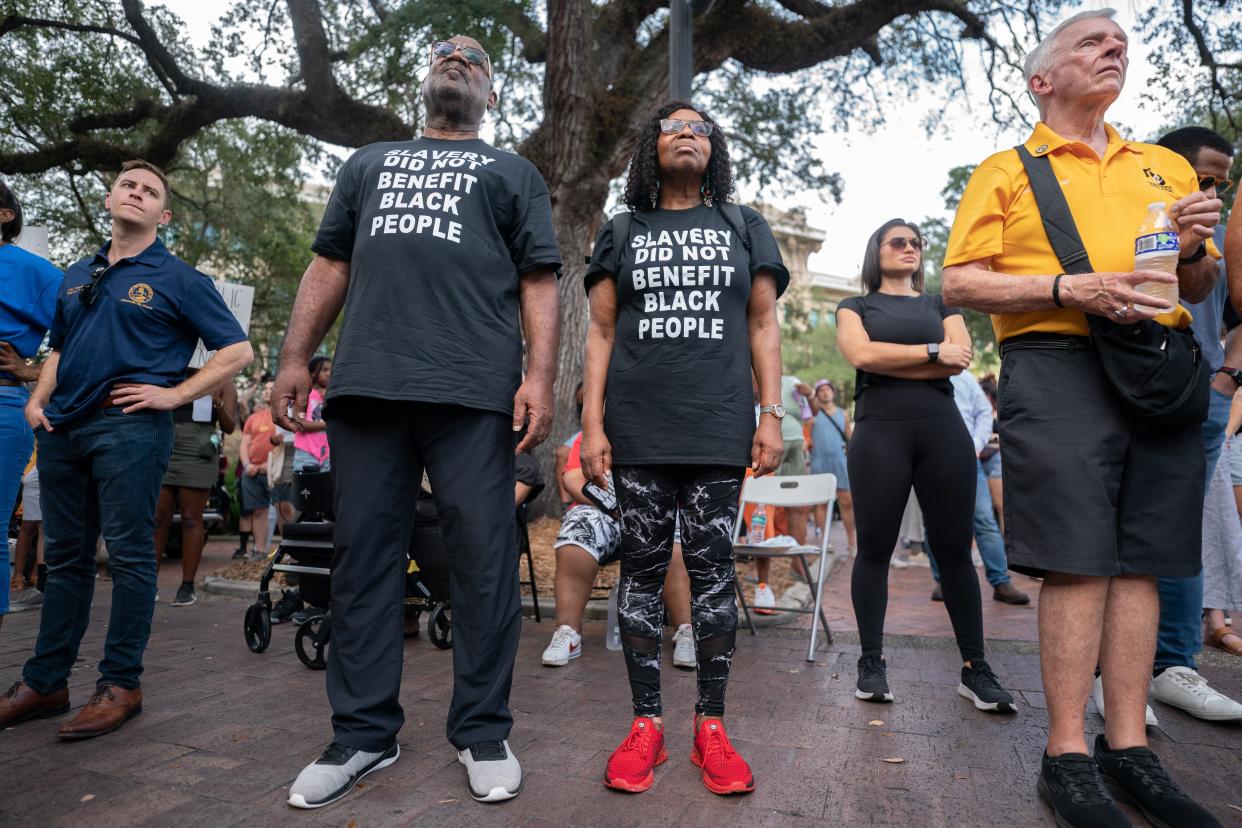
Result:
650,497
934,453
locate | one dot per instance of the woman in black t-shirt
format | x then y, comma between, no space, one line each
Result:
683,291
908,432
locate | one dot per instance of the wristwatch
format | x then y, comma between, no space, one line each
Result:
933,351
1234,374
777,410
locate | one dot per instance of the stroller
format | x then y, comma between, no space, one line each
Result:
306,549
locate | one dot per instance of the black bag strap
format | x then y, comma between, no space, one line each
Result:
733,215
828,417
731,212
1055,212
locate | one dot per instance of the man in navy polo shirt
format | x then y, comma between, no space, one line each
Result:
126,324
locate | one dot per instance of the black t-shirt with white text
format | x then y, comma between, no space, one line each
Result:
901,320
437,233
679,386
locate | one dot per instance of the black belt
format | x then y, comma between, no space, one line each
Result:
1040,341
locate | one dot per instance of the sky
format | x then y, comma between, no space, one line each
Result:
896,170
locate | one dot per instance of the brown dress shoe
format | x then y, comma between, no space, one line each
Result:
1010,594
20,704
108,709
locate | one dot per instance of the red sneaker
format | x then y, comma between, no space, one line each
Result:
632,765
724,770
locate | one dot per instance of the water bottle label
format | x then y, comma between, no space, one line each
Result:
1156,243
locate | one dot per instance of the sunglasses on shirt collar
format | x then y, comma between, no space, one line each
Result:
90,292
1221,184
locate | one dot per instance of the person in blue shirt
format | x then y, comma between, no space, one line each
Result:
28,286
125,326
976,411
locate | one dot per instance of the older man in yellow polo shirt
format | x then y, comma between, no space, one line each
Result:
1095,506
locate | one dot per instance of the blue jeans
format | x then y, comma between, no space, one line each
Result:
1180,635
987,535
16,443
99,475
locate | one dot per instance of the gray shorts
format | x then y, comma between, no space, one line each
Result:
594,531
256,494
31,509
793,461
1087,492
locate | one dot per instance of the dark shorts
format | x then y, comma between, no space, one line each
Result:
1086,492
256,494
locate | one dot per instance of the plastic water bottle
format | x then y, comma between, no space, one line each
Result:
612,640
1156,247
758,525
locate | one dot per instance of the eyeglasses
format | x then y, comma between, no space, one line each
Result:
672,126
444,48
89,293
1221,184
901,242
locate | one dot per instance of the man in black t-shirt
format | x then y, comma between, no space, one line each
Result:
431,246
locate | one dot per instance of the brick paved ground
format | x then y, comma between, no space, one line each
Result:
224,732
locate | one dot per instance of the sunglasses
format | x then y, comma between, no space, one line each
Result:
672,126
444,48
89,293
914,242
1221,184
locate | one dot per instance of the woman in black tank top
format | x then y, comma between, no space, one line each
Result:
908,432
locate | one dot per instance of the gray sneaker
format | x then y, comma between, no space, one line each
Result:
493,770
28,599
335,773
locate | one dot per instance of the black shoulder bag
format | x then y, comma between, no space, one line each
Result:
1158,372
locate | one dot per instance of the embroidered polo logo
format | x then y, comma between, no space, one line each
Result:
140,294
1042,148
1156,180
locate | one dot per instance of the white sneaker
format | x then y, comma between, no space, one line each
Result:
28,599
765,599
683,649
1097,695
566,644
335,773
1184,688
493,771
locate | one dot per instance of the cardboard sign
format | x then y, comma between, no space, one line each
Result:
34,240
240,300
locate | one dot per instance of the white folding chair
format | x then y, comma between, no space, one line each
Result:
796,491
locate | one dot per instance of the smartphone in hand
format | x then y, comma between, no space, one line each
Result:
603,498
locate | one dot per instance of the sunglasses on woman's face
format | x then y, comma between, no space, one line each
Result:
444,48
901,242
1209,181
672,126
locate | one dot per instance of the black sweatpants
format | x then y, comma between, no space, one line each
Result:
913,436
650,499
379,451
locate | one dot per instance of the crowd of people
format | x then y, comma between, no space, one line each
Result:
445,365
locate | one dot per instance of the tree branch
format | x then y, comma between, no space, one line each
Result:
312,46
158,57
13,22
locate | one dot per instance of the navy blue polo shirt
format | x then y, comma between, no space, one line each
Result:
149,313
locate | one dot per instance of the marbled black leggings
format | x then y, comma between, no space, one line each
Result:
707,499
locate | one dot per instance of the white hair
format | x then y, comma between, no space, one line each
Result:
1039,60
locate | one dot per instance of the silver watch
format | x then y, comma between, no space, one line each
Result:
777,410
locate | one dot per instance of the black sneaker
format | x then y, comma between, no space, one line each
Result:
310,612
1134,776
872,680
937,595
289,603
1070,784
980,685
239,554
185,596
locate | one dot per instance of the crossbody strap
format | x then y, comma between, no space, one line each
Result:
1055,212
